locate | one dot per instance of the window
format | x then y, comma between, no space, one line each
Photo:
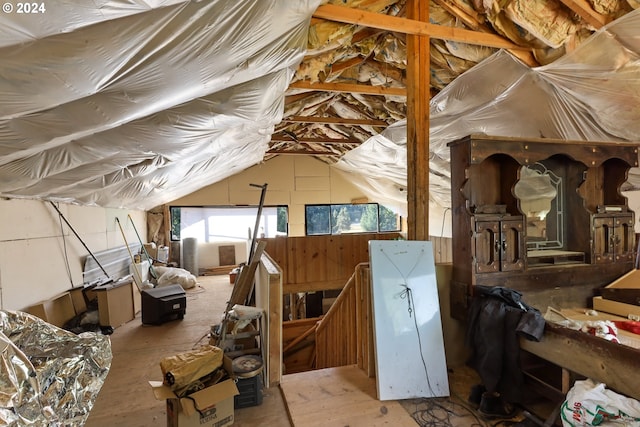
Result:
349,218
221,224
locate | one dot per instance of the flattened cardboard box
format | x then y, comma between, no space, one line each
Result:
625,289
627,285
210,407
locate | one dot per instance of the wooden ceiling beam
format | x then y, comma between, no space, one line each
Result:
365,33
334,121
388,70
290,99
584,10
410,26
337,67
455,10
330,141
303,152
349,87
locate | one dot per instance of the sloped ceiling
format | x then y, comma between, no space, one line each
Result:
589,94
134,103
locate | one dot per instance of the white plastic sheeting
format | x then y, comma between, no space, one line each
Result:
591,94
134,103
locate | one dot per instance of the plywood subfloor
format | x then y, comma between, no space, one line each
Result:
342,396
330,397
345,396
126,398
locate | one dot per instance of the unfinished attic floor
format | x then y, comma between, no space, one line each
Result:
329,397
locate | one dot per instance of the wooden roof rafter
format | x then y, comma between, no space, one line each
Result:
307,140
305,152
349,87
584,10
409,26
335,121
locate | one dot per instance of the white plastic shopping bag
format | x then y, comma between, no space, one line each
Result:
591,404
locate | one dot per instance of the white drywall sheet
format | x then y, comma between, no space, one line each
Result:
410,359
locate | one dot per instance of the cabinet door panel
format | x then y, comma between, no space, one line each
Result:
624,237
603,239
487,246
613,238
512,245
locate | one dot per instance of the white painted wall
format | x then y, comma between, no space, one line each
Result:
33,245
292,180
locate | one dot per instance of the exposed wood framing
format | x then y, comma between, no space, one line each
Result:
334,120
465,16
411,26
418,96
330,141
314,286
351,88
470,19
299,339
290,99
303,152
344,65
584,10
391,72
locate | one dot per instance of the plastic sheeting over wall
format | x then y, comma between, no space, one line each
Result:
591,94
134,103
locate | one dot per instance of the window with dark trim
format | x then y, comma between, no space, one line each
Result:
349,218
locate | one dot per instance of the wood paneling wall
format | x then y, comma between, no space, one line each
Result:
344,335
314,263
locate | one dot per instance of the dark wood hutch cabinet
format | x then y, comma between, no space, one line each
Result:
543,216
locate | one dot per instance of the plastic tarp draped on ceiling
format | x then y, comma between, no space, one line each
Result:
590,94
134,103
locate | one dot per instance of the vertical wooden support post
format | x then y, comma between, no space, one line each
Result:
418,96
166,223
566,381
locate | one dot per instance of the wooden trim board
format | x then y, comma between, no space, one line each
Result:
615,307
342,396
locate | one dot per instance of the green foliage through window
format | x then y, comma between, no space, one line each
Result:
175,223
227,223
349,218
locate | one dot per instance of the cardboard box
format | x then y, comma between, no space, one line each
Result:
628,280
626,289
616,296
210,407
151,249
57,311
77,297
115,303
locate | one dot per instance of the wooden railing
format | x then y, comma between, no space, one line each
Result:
344,336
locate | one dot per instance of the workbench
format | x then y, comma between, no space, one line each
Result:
613,364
